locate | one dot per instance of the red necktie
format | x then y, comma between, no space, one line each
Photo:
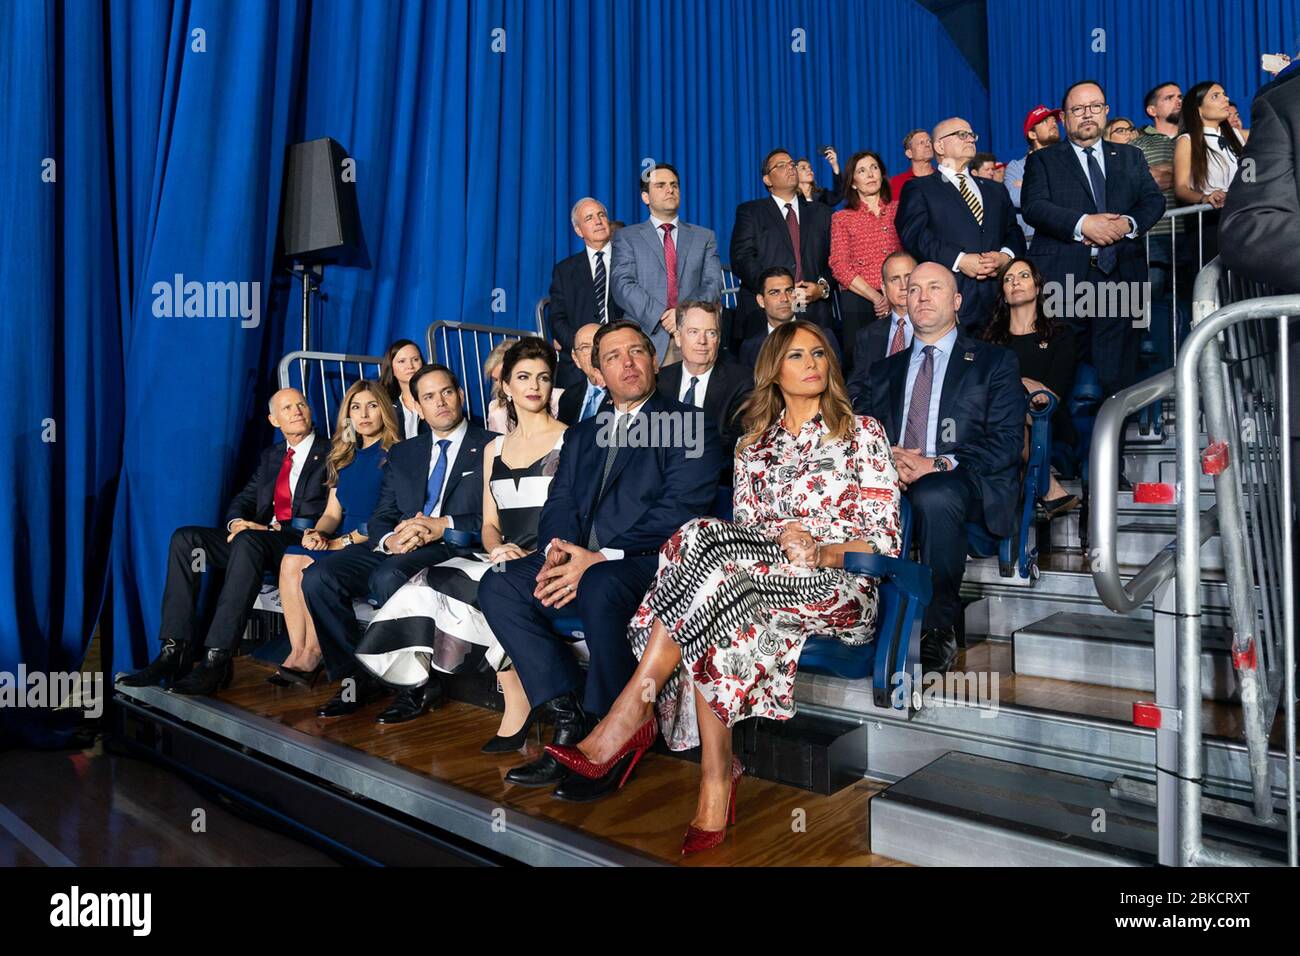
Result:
283,497
670,262
899,342
792,223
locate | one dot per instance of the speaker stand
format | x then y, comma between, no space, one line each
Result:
311,276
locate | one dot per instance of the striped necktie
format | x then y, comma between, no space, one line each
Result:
600,280
972,200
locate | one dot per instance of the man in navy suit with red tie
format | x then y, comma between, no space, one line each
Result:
289,484
966,224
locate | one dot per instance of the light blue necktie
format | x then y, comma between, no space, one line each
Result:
436,477
594,398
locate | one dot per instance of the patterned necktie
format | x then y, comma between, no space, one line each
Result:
593,544
792,223
690,391
1107,256
592,403
670,263
434,489
972,200
900,339
283,494
918,413
600,281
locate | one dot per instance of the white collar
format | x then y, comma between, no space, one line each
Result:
659,224
456,437
300,450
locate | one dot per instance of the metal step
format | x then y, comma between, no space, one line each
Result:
1000,606
969,810
1115,651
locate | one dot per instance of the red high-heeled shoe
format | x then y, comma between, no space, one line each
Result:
697,840
577,761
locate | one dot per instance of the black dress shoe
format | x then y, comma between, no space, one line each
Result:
210,675
168,665
358,690
571,725
413,702
578,789
938,649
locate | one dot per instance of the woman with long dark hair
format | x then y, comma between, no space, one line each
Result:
434,622
1207,152
720,630
1045,349
402,360
862,237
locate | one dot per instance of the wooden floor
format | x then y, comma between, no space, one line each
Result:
650,814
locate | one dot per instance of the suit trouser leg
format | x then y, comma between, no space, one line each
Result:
328,586
252,554
546,665
608,595
857,313
942,503
192,552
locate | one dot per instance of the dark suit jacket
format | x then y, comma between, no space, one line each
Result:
571,402
573,305
650,492
729,386
401,422
753,344
256,500
935,225
985,402
406,480
1057,192
760,240
871,347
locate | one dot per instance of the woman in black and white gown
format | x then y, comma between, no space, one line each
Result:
433,622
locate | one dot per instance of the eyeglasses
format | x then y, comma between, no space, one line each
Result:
962,134
1084,109
1122,129
784,164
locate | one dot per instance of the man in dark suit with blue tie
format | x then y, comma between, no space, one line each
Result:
954,410
431,483
966,224
1090,203
289,485
582,401
890,333
617,496
580,287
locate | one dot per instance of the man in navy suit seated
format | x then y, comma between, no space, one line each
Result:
289,483
777,299
1090,203
890,333
432,482
617,496
966,224
954,410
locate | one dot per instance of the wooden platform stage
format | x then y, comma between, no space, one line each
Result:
647,818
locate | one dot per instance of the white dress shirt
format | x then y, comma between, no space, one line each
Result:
952,177
700,388
677,231
604,257
942,353
1081,154
794,203
410,420
1220,162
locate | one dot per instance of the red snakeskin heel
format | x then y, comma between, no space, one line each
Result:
697,840
577,761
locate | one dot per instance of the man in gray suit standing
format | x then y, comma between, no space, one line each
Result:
657,263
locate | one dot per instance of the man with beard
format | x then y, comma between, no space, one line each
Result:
1041,131
1164,104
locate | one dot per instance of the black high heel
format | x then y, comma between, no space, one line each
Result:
503,745
292,675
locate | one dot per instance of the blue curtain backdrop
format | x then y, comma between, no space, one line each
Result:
474,126
1039,47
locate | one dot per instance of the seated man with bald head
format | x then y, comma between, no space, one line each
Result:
580,402
954,410
289,483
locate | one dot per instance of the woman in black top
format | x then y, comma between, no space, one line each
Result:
1045,349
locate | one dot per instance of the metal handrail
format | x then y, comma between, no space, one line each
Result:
539,316
477,394
1202,364
342,359
1104,502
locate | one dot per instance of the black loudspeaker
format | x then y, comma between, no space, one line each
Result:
319,221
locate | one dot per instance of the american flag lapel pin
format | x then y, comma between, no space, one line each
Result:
969,356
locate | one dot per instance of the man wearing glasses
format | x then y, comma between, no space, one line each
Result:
965,223
1090,202
782,229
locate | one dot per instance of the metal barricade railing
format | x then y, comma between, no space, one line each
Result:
463,347
730,288
1233,366
325,374
1175,219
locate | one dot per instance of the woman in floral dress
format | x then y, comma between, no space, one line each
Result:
720,630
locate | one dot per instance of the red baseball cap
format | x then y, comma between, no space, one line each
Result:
1038,114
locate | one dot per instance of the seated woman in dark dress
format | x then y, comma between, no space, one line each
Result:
433,622
402,360
1047,357
365,430
720,631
